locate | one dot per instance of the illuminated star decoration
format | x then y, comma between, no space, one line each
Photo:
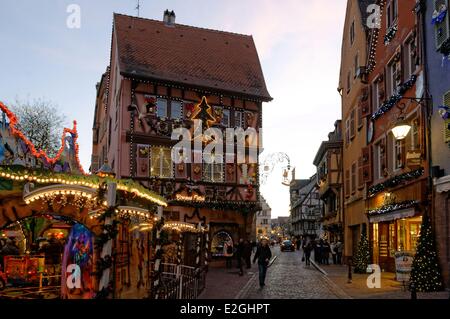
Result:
203,113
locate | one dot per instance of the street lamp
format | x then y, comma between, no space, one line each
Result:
401,129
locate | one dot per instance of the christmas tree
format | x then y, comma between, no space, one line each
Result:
362,257
425,272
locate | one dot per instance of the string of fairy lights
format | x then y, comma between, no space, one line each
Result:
92,181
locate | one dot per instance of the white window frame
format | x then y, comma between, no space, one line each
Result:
238,119
408,62
396,151
226,122
159,107
180,108
162,159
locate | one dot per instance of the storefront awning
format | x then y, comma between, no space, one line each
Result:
398,214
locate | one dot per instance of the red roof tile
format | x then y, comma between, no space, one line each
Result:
188,55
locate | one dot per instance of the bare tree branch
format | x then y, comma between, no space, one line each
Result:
41,122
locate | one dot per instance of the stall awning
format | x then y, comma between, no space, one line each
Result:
398,214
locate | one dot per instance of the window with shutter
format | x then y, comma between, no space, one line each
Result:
347,183
94,164
447,122
353,177
364,102
367,164
360,117
375,96
352,124
347,131
360,172
441,29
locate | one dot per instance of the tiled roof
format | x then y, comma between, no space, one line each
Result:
203,58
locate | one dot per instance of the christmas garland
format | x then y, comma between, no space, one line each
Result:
390,34
109,232
156,277
392,207
445,48
396,180
394,99
206,249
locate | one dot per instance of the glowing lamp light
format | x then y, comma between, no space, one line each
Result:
401,129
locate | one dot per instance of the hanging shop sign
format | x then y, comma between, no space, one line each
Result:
413,159
403,265
193,197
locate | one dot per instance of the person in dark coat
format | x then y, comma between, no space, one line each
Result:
248,253
326,249
240,255
263,255
317,255
307,251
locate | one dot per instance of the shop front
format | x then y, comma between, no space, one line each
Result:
395,224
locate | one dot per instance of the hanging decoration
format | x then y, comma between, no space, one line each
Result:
394,99
197,248
109,232
182,227
393,207
206,246
395,181
445,51
179,248
41,154
156,276
439,15
390,34
203,112
444,112
91,181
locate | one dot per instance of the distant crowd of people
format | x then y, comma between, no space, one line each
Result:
323,251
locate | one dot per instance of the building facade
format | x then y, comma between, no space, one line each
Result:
437,35
164,76
354,92
263,220
328,161
306,208
280,228
398,194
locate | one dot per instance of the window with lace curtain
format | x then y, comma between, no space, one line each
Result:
161,162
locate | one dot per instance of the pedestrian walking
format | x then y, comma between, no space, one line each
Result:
307,253
228,253
298,243
248,253
339,248
240,255
262,255
326,253
333,252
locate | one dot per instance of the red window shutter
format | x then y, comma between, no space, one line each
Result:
347,183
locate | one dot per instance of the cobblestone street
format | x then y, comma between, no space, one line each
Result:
289,278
